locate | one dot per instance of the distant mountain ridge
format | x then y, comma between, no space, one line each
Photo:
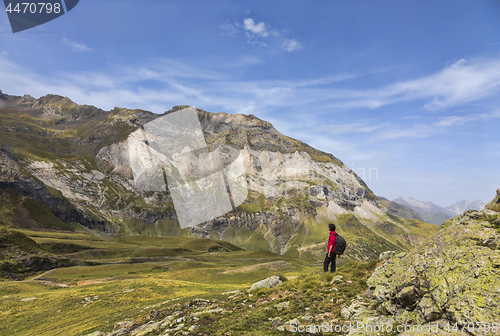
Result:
463,205
436,214
400,210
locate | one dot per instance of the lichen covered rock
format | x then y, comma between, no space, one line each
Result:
338,279
452,277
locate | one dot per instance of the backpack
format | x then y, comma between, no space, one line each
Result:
340,244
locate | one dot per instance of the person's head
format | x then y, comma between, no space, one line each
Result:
331,227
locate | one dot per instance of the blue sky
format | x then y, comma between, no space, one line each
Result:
408,89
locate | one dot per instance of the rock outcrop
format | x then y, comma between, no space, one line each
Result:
452,277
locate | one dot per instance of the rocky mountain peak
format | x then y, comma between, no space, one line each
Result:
55,100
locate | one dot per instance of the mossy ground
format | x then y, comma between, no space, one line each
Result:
252,313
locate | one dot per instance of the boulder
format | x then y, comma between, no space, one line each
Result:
495,204
267,283
345,313
386,255
123,324
337,279
278,321
290,325
194,327
282,306
308,317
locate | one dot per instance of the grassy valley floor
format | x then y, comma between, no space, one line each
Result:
151,279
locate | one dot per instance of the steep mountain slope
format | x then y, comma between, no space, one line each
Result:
74,160
399,210
436,214
419,206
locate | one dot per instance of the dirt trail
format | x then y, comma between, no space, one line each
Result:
274,265
39,278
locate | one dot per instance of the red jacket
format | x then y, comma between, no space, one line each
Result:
332,241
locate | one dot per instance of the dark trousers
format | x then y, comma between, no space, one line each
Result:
330,259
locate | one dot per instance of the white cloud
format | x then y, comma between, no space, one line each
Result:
257,32
443,123
291,45
258,29
359,127
462,82
76,47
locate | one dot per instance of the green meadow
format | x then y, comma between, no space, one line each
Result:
126,278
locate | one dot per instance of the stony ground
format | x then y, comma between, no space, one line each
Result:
314,299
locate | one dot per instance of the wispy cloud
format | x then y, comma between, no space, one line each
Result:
157,85
291,45
76,47
462,82
422,130
261,34
358,127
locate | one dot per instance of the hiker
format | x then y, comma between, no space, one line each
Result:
331,256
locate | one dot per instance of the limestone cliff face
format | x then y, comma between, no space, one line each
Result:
294,190
452,277
18,179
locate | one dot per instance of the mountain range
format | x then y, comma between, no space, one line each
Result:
65,166
436,214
